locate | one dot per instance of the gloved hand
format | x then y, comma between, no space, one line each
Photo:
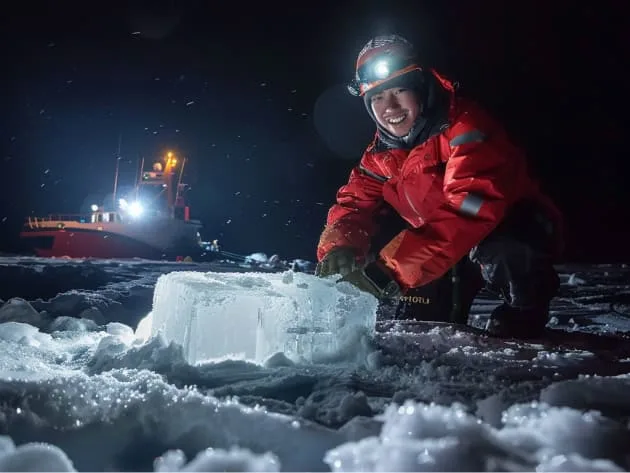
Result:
376,279
340,260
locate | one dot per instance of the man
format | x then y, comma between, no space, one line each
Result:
458,183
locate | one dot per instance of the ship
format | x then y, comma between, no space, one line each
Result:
151,222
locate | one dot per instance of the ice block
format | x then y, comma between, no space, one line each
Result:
254,315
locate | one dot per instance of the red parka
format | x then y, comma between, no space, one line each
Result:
453,190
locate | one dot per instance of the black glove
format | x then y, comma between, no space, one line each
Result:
376,279
341,260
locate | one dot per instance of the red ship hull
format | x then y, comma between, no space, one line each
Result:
85,244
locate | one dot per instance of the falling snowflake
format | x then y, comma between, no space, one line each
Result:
188,104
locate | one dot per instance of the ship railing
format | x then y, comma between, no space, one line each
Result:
52,220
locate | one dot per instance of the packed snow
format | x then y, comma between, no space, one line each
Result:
89,383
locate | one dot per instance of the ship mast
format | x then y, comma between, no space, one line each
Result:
117,170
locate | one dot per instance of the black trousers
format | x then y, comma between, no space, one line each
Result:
515,262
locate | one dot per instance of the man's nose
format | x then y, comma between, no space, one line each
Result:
391,102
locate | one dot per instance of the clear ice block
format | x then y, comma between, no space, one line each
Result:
254,315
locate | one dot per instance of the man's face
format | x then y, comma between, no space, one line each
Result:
396,109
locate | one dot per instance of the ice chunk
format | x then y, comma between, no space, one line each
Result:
19,310
35,457
564,431
211,459
575,462
254,315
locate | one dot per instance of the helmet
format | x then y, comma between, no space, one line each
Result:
383,58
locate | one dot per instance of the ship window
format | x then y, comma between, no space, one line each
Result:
99,218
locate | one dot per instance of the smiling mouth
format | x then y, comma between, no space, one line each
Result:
397,120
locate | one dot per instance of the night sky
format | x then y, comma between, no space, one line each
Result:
251,95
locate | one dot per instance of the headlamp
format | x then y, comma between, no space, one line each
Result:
380,69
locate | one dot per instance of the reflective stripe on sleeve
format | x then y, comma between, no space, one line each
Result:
472,136
471,205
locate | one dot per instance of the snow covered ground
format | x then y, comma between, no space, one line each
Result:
79,391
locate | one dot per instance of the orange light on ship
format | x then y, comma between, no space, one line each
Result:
171,161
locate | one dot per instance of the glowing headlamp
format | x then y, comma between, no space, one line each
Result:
378,70
381,69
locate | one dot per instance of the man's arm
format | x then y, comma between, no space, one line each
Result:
350,221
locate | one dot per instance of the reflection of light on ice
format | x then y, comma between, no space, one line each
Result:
143,331
255,315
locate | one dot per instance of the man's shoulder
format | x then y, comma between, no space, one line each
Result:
377,148
468,115
466,110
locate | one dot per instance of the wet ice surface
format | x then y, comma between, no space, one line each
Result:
85,394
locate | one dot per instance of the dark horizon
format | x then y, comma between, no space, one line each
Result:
253,99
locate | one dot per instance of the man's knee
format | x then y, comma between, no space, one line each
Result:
516,259
524,239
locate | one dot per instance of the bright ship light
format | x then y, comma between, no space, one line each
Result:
135,209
